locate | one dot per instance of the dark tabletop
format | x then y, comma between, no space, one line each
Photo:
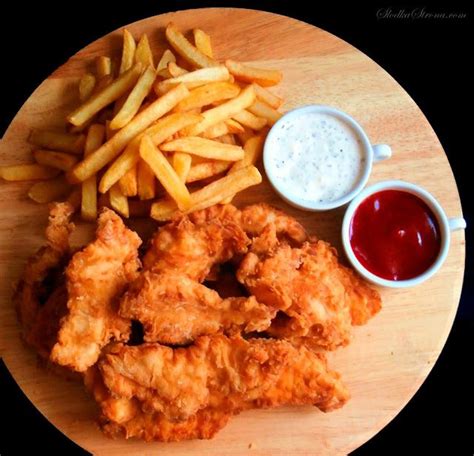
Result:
426,53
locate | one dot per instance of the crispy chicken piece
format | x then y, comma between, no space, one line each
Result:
96,278
176,310
320,298
220,373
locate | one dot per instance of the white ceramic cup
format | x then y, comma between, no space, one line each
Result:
371,153
446,225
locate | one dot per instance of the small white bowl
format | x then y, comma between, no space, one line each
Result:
445,225
371,153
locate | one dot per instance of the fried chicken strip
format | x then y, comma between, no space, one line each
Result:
176,310
96,278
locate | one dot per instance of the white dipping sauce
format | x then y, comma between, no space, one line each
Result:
318,157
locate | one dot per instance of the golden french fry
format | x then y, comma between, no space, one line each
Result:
54,159
245,136
159,132
267,97
128,51
49,190
204,148
146,181
234,127
261,76
227,139
134,100
175,70
207,169
182,165
164,172
95,137
64,142
264,111
164,73
143,52
103,66
186,50
250,120
128,182
106,96
118,201
208,94
106,153
224,111
215,131
163,210
166,58
27,172
86,86
203,42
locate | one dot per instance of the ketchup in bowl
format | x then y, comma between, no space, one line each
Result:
395,235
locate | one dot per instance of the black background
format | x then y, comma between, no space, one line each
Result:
428,57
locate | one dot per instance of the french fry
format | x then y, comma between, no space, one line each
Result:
204,148
106,96
163,210
143,52
267,97
203,42
249,74
49,190
164,172
250,120
146,181
208,94
245,136
224,111
134,100
128,52
59,160
103,66
159,132
118,201
207,169
166,58
128,182
234,127
182,165
106,153
53,140
74,198
227,139
186,50
175,70
95,137
86,86
262,110
27,172
215,131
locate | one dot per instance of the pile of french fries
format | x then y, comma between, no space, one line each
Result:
176,137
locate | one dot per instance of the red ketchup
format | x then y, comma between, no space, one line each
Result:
395,235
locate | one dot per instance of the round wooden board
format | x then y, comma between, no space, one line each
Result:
388,359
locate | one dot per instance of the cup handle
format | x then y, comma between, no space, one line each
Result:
456,223
381,152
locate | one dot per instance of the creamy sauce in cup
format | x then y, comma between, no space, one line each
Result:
319,157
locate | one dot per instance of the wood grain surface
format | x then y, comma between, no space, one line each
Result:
388,359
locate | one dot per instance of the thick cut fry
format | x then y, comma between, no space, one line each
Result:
159,132
106,96
143,52
128,51
118,201
134,100
250,120
86,86
267,97
175,70
105,154
216,130
227,139
182,165
166,58
204,148
103,66
194,78
95,137
207,169
146,181
164,172
186,50
27,172
54,140
128,182
234,127
54,159
224,111
203,42
261,76
208,94
245,136
50,190
262,110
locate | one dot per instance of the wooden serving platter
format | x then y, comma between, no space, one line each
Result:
388,359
